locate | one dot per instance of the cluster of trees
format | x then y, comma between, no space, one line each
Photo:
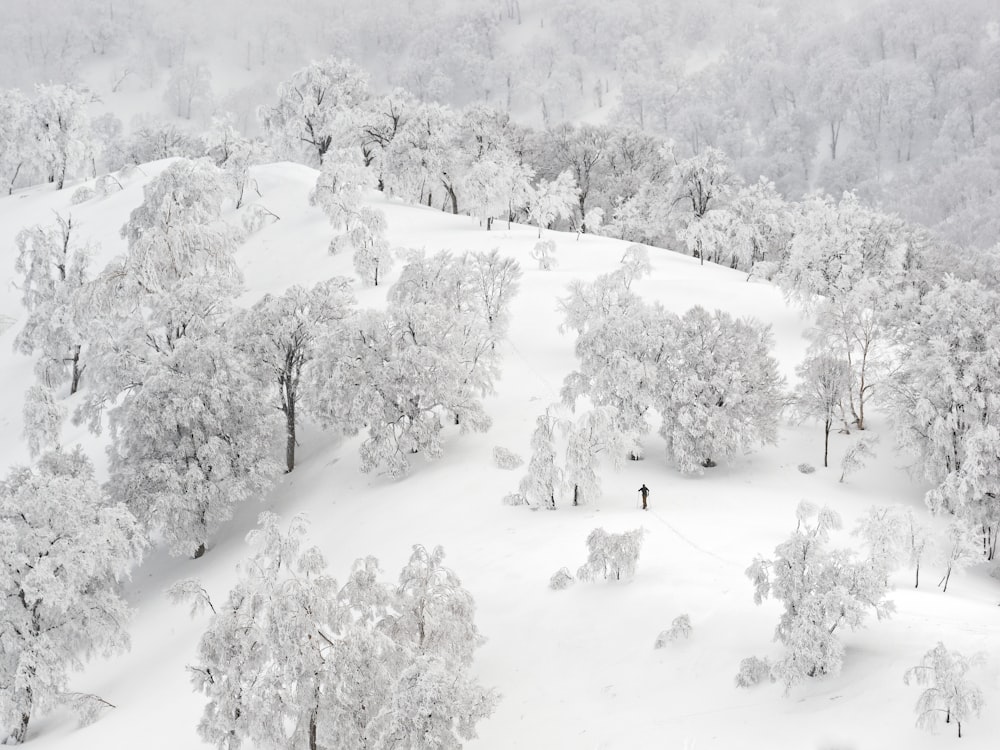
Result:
197,393
825,590
367,664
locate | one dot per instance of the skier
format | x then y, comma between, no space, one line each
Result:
644,491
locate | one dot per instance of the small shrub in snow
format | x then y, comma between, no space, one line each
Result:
611,555
82,195
561,579
857,455
544,253
753,671
505,459
681,626
107,184
514,498
807,468
950,695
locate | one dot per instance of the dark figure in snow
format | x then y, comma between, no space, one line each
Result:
644,491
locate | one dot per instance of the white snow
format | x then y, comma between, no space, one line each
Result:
576,668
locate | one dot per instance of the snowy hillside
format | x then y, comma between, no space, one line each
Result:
576,668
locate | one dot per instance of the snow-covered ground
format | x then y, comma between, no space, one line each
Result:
576,668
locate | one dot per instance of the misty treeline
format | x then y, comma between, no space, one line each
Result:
894,100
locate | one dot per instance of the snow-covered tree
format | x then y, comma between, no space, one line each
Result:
822,590
65,550
719,392
362,665
945,410
55,269
823,383
857,455
550,201
838,245
620,345
951,693
424,158
192,433
43,419
16,141
613,556
680,627
340,188
189,88
62,130
280,335
318,108
235,154
544,252
593,434
962,548
543,475
701,183
426,359
884,532
177,233
496,280
917,536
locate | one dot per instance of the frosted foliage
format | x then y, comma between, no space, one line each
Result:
367,664
947,416
823,383
340,188
177,232
65,549
428,359
753,671
506,459
620,344
17,143
538,486
822,590
544,252
280,336
635,263
193,442
62,130
551,201
838,245
561,579
961,547
595,433
884,531
423,159
612,556
43,419
857,455
318,109
720,392
679,628
55,270
950,695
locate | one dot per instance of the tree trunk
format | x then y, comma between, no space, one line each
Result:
453,197
19,732
826,442
77,372
489,223
312,729
290,436
917,584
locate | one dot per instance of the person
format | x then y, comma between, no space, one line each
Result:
644,491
